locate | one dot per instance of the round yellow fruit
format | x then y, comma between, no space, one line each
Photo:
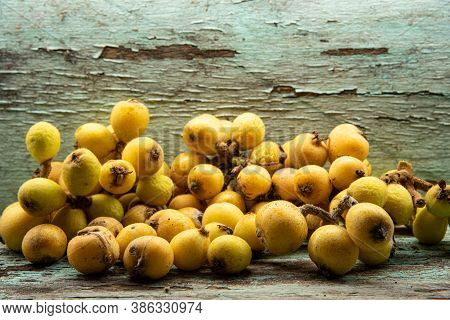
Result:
428,228
268,155
168,223
283,183
399,204
15,223
305,149
109,223
95,137
369,226
229,196
190,249
43,141
155,190
138,214
312,184
344,170
373,257
437,200
70,220
182,164
205,181
129,119
248,130
332,250
80,172
257,206
184,201
281,227
127,199
229,254
148,257
93,250
145,155
222,212
347,143
40,197
132,232
202,133
55,171
246,229
369,189
335,202
254,181
103,205
117,176
216,229
44,244
368,166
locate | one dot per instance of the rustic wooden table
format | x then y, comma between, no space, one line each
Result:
301,65
415,272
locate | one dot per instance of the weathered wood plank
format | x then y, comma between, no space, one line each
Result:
300,65
415,272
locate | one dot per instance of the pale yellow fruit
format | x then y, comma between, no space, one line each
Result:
109,223
205,181
246,229
44,244
70,220
230,197
95,137
283,183
332,250
347,143
248,130
369,226
138,214
257,206
155,190
224,213
437,200
40,197
254,181
312,184
428,228
344,170
369,189
182,164
164,170
129,119
148,257
15,223
229,254
103,205
202,133
80,172
305,149
132,232
216,229
117,176
368,166
281,227
268,155
145,155
190,249
184,201
399,204
93,250
43,141
168,223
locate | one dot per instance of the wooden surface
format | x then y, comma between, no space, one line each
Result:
301,65
415,272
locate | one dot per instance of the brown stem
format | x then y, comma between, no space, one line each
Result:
311,209
346,203
46,167
421,184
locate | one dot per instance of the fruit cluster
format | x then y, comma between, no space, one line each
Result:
232,194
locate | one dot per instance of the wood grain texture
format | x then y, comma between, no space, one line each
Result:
301,65
415,272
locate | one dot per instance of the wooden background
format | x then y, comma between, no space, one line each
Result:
301,65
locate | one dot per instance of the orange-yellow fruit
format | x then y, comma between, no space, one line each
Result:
224,213
246,229
132,232
229,196
254,181
305,149
168,223
347,142
155,190
55,171
109,223
182,164
268,155
205,181
283,183
44,244
184,201
344,170
194,214
216,229
190,249
95,137
248,130
229,254
138,214
117,176
70,220
145,155
129,119
202,133
312,184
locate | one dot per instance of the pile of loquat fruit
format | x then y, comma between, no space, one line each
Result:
233,194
